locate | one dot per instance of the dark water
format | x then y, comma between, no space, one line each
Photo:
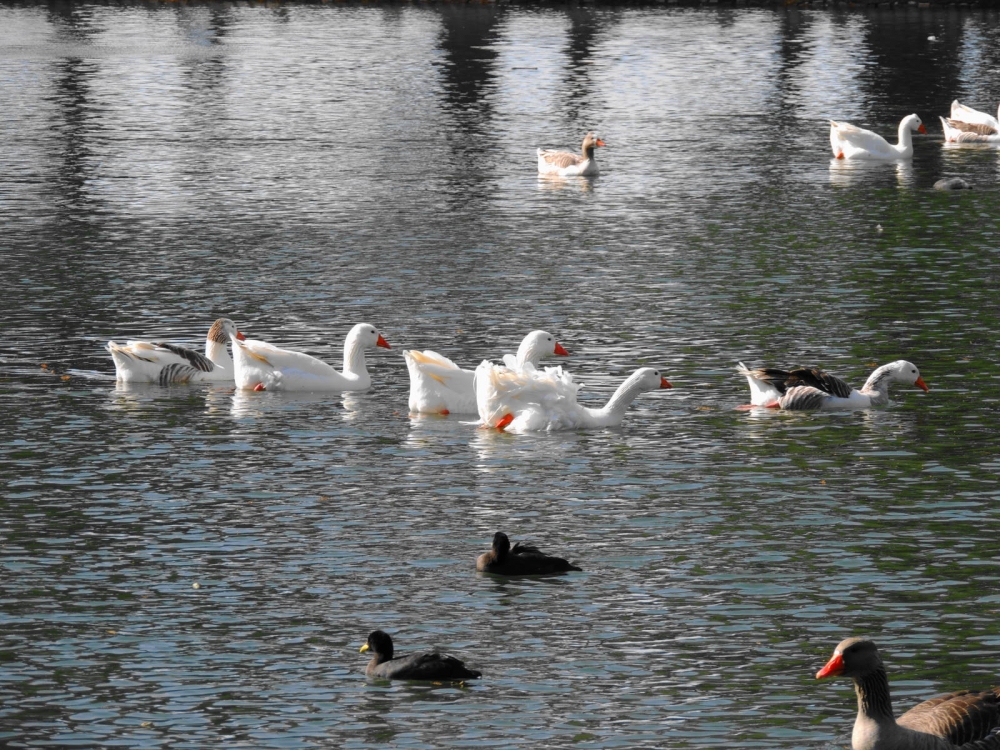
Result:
192,567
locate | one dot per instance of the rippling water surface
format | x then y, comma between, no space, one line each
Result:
193,567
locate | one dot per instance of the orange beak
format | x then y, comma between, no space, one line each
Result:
382,342
833,667
922,129
508,418
560,351
664,383
240,336
919,382
599,142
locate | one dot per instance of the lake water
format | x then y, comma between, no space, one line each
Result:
190,567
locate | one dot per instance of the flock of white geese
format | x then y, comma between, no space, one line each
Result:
518,395
966,125
515,394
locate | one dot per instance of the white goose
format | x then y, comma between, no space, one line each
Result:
566,164
164,363
968,125
810,388
439,386
261,366
528,400
850,142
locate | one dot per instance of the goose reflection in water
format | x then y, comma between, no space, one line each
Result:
556,182
253,404
138,396
847,173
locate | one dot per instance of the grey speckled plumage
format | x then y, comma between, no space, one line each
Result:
430,666
198,361
812,377
965,719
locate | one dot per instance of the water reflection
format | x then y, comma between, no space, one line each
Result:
578,99
555,183
858,172
468,69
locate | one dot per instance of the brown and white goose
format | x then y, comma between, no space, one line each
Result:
566,164
968,125
965,719
166,363
811,388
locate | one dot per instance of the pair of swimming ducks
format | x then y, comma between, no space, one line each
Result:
502,559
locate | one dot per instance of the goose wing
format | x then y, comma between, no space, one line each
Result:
560,159
438,367
286,359
818,379
972,116
960,717
803,397
861,139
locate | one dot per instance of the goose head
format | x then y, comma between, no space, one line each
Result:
590,141
650,379
914,123
367,336
224,329
538,344
907,372
853,657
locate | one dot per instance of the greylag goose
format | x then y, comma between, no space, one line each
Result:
164,363
964,719
566,164
432,666
439,386
810,388
519,560
850,142
968,125
530,400
262,366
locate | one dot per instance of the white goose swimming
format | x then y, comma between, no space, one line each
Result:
439,386
261,366
810,388
164,363
529,400
850,142
968,125
567,164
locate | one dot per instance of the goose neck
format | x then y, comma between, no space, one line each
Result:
354,357
218,353
877,386
874,701
527,353
905,144
623,397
